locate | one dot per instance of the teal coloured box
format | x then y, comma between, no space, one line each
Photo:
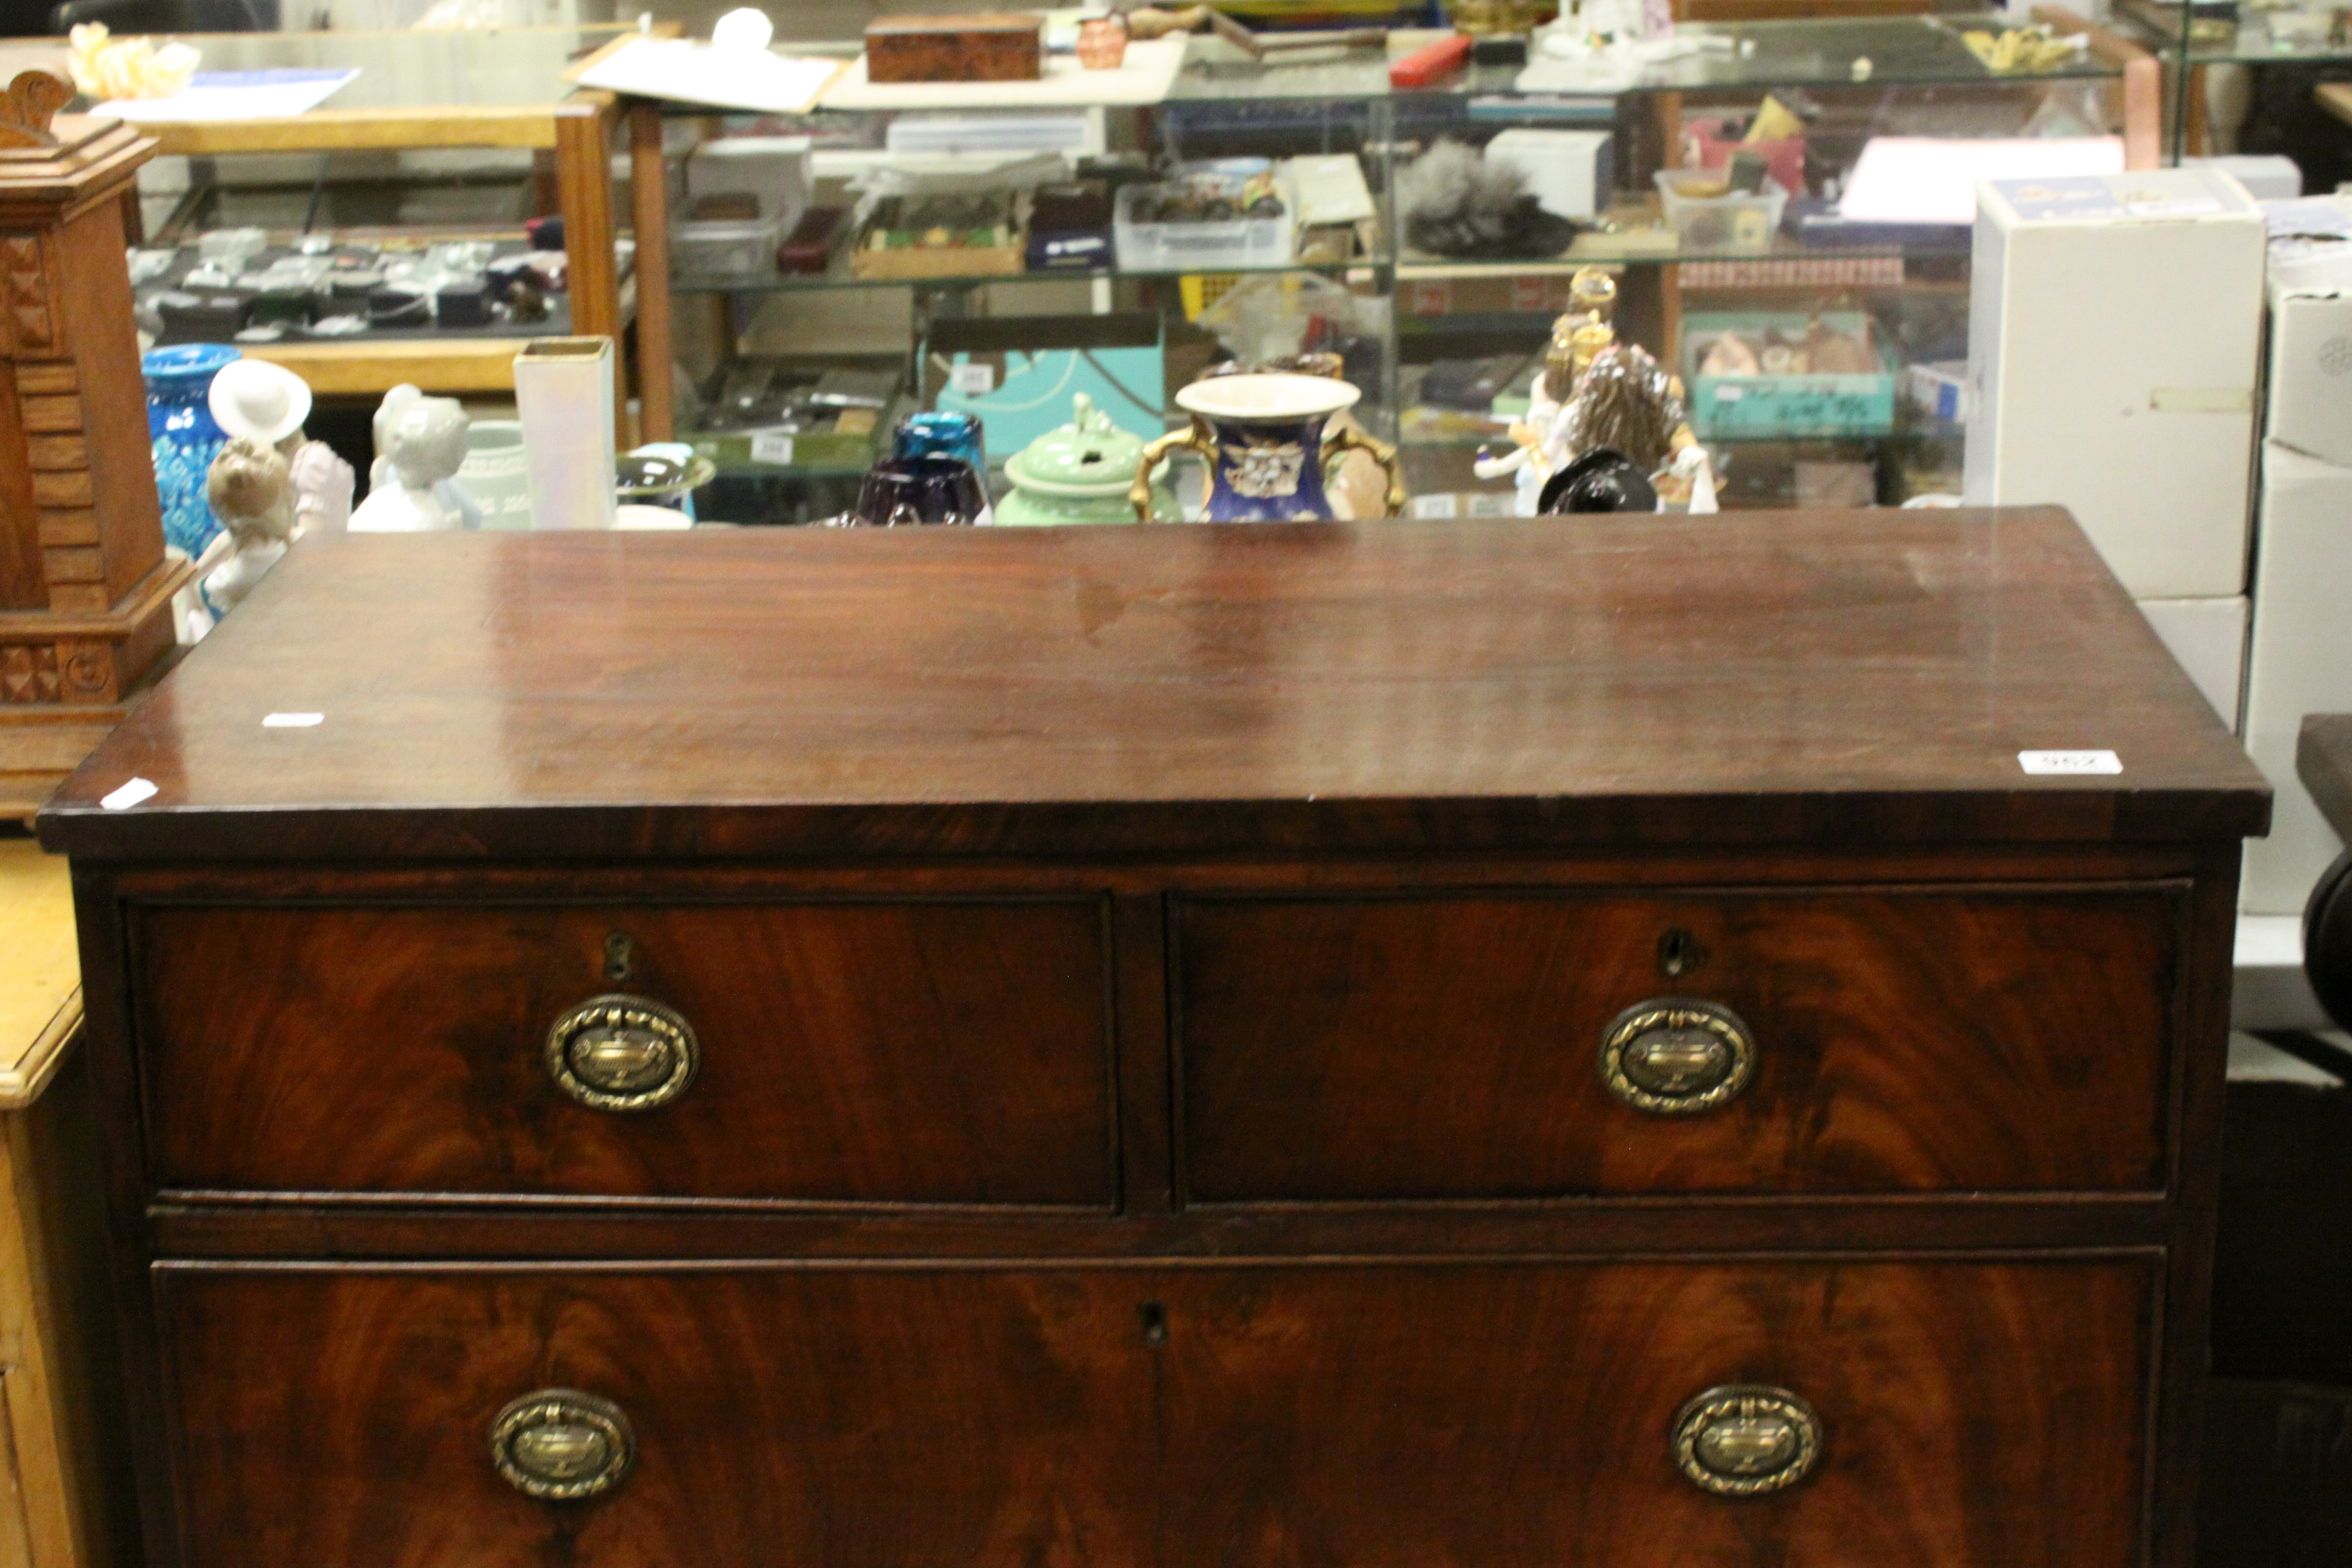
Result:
1786,406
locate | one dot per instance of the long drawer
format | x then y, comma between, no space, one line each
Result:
1612,1415
1805,1042
900,1052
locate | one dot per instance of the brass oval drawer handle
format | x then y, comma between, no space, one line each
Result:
1746,1439
1674,1056
622,1053
560,1445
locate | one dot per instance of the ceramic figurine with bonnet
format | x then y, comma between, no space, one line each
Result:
267,403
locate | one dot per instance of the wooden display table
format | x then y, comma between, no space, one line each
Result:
496,88
63,1492
1602,1043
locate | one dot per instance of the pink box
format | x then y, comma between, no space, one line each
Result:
1706,146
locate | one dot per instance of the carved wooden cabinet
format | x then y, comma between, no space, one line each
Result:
85,588
1485,1044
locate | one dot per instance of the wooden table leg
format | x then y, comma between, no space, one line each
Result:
650,215
583,179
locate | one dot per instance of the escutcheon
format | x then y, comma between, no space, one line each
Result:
559,1445
1674,1056
622,1053
1746,1439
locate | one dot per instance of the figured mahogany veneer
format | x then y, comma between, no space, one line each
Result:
912,1052
1147,991
1445,1047
1380,1417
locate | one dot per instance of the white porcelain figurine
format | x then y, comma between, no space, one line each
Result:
412,488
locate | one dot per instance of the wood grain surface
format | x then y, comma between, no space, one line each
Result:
1335,1417
906,1052
1764,678
1447,1047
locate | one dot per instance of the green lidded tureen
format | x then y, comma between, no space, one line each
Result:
1079,474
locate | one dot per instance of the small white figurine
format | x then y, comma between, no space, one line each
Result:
268,403
412,487
252,493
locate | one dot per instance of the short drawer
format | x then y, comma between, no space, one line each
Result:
903,1052
1752,1042
1817,1415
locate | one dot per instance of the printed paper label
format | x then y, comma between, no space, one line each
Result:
129,795
769,447
1434,507
973,378
2069,762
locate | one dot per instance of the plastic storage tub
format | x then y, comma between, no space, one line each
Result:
726,247
1221,245
1736,220
776,169
1792,406
774,172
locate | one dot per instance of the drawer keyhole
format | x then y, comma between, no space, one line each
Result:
1155,1323
1679,953
618,956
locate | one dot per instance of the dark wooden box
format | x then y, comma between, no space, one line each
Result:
977,47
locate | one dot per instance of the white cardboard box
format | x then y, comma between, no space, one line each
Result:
2208,637
1566,171
2114,330
2298,661
2308,405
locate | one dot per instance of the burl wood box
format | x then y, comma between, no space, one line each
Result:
981,47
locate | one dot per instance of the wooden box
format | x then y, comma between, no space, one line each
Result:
977,47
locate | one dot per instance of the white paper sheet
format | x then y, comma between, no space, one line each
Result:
688,70
234,95
1927,179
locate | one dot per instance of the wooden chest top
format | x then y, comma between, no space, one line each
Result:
1851,678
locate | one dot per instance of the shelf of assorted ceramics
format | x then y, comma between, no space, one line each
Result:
1805,187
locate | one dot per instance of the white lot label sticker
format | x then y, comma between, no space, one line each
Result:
129,795
1489,505
1436,506
772,448
292,721
2070,762
973,378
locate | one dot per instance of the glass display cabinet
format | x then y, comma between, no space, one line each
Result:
920,260
427,166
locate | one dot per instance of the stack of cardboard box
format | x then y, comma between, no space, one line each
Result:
2114,347
2300,658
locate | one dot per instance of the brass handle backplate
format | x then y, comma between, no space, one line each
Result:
560,1445
1746,1439
622,1053
1674,1056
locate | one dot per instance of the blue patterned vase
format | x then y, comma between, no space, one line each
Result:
1266,441
184,438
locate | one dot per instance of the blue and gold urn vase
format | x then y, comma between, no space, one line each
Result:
1268,439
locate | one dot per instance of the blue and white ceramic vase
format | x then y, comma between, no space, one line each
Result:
1268,439
184,437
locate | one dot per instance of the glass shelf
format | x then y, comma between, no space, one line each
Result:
1903,51
2252,42
490,68
839,277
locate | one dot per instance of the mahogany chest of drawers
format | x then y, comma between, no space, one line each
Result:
1488,1044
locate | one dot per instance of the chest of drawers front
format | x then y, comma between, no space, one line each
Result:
698,1197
